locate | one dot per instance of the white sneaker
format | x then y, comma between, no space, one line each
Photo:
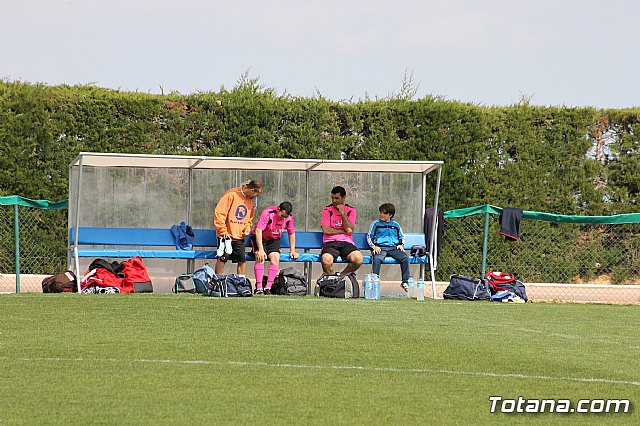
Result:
221,244
228,249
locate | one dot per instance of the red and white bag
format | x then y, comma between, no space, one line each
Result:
100,280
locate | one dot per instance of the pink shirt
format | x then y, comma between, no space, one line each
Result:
332,217
272,226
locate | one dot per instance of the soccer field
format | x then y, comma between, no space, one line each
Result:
188,359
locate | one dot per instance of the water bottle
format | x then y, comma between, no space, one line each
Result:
420,289
376,287
411,286
368,285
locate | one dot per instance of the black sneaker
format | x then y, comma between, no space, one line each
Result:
267,291
258,291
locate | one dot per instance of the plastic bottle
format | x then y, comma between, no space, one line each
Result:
367,286
376,287
420,289
411,287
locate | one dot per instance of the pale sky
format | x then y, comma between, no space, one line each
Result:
489,52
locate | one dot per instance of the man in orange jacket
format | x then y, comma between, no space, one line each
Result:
232,219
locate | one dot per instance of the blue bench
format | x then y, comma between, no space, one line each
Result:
158,243
130,242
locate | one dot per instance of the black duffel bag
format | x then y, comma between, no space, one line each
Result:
463,287
289,282
338,286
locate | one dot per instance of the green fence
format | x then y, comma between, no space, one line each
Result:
600,250
33,242
558,257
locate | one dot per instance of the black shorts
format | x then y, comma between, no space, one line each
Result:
338,248
238,253
270,246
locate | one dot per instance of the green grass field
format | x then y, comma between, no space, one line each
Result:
188,359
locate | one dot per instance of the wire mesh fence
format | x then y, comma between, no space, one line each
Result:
556,260
41,246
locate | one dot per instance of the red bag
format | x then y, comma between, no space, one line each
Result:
100,278
136,278
497,279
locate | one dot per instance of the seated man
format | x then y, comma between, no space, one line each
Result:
337,222
265,242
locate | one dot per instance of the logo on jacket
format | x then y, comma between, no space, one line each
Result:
241,212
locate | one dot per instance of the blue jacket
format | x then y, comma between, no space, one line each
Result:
383,234
183,236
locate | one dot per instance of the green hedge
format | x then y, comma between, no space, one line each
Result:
535,158
551,159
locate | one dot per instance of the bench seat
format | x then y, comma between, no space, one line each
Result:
211,254
145,253
131,242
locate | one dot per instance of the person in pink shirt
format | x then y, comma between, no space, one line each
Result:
338,222
265,242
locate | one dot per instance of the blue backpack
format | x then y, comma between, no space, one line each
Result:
202,278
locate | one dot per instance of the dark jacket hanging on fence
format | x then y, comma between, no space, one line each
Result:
510,223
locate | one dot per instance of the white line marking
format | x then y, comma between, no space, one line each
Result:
339,367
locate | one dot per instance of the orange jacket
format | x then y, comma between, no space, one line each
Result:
233,215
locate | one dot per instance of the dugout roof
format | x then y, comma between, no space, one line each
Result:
200,162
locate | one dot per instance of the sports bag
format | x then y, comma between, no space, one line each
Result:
60,283
217,287
338,286
237,286
290,282
418,250
502,281
136,278
114,267
184,284
496,278
201,278
463,287
101,280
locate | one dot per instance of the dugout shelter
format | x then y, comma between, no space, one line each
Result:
156,191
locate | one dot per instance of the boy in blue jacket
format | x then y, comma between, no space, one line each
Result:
385,238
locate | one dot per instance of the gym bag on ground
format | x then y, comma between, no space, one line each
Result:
463,287
99,280
502,281
201,278
237,286
184,284
60,283
339,286
290,282
136,277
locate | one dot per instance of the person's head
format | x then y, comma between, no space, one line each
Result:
252,188
338,194
387,211
284,209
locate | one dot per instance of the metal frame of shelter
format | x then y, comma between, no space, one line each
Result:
89,159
